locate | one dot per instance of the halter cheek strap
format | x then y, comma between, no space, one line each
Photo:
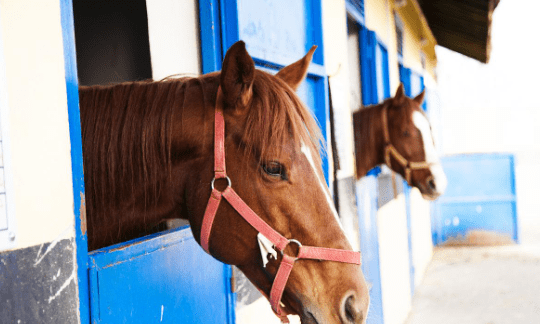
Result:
279,241
391,151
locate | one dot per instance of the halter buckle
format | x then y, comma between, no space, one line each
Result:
292,241
226,177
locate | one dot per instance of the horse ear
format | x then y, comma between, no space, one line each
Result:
237,76
400,93
420,98
295,73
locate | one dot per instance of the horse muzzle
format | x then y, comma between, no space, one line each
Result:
435,184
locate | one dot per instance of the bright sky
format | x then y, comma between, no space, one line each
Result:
500,100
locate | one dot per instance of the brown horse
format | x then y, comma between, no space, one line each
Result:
397,133
149,156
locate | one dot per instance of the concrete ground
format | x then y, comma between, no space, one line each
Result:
480,285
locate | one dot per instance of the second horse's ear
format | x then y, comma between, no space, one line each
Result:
400,93
237,76
295,73
420,98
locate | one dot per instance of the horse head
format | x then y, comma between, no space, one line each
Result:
397,132
273,164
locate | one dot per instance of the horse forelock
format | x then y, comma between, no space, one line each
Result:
277,116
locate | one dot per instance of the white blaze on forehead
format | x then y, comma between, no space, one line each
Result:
432,158
322,185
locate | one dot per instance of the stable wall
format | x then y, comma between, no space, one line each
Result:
38,120
402,267
38,275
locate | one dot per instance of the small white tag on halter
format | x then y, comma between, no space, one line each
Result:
266,248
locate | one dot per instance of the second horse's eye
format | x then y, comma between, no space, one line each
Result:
274,169
406,134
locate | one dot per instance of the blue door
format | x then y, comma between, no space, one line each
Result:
163,278
480,196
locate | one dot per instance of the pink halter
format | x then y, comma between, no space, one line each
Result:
280,242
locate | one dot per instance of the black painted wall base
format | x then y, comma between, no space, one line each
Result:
38,284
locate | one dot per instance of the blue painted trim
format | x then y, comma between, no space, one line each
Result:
229,23
355,13
517,229
94,292
323,117
368,72
121,252
314,7
405,78
230,295
412,270
385,70
219,30
314,68
375,171
210,33
72,89
369,245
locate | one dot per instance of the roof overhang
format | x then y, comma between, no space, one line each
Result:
463,26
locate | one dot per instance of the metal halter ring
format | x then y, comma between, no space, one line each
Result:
292,241
228,182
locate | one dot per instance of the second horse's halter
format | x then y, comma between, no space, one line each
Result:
280,242
390,150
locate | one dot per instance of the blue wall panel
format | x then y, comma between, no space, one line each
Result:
159,279
480,196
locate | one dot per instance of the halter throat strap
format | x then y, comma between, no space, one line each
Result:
391,151
279,241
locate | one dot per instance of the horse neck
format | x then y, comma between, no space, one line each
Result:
143,195
369,139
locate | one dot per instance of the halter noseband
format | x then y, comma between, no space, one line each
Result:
280,242
390,150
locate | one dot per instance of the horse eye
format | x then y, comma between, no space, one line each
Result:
274,169
406,133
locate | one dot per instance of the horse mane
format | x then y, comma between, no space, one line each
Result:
127,133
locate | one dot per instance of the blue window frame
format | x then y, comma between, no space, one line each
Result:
374,68
273,41
355,8
413,83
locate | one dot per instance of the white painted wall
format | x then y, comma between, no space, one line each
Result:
173,28
394,260
38,120
421,242
495,107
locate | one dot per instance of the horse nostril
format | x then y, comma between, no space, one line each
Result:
431,184
351,312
